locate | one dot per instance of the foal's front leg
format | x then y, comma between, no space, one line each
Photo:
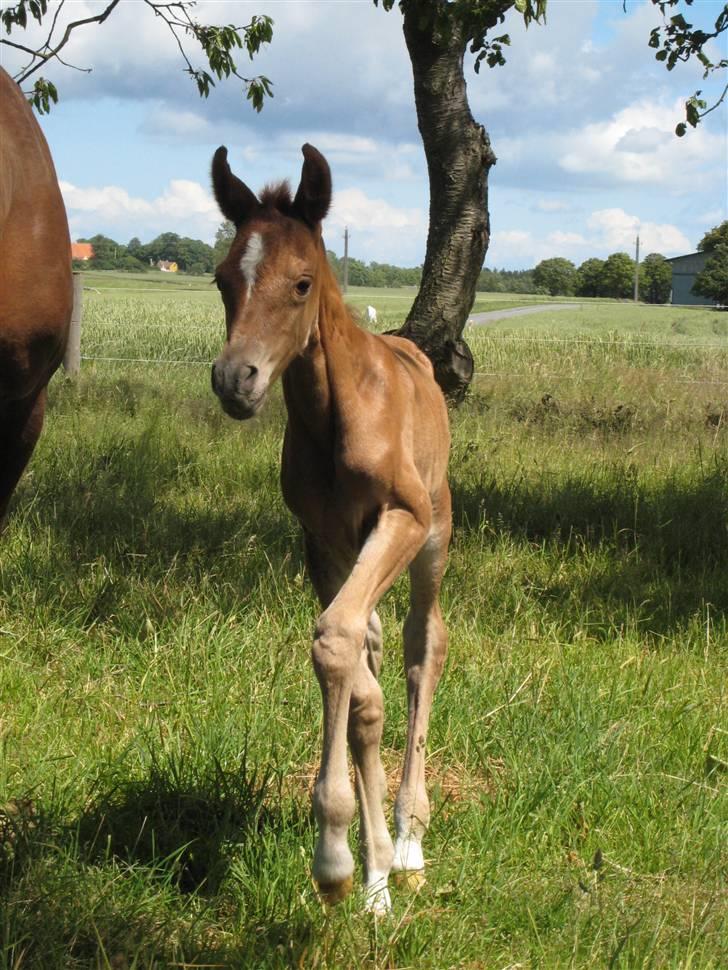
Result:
366,719
338,657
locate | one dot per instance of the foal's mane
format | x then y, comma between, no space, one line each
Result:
278,196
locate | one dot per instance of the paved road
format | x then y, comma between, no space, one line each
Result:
522,311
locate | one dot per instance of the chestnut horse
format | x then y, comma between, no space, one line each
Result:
364,470
36,295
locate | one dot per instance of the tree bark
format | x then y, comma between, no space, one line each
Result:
459,157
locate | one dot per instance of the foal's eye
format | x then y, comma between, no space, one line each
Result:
302,287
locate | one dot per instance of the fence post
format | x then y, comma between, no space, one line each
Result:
72,356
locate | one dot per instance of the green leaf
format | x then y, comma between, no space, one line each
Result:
43,95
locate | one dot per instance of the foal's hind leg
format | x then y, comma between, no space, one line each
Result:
425,647
20,426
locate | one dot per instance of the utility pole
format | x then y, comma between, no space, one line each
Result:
346,259
637,272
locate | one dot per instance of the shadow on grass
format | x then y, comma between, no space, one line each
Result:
179,822
144,873
130,509
671,536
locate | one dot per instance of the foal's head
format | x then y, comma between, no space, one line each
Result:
270,280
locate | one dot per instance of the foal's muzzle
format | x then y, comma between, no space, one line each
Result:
236,386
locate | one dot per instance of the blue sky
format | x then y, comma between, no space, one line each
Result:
581,119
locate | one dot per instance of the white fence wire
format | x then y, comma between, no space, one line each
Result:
685,344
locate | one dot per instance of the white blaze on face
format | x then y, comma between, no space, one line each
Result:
250,260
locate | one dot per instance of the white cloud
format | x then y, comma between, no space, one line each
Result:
380,231
637,145
184,207
606,231
643,139
353,208
616,229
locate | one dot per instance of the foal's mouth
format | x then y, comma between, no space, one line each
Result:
241,410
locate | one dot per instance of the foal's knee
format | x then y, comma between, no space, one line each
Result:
336,647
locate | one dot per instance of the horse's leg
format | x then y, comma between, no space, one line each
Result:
352,700
425,647
366,716
20,426
366,720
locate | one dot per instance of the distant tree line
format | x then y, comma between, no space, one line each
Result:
506,281
374,274
612,277
191,255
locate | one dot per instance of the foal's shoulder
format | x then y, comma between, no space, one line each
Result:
407,352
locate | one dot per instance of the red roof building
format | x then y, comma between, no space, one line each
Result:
84,251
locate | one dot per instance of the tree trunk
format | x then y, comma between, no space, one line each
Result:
459,158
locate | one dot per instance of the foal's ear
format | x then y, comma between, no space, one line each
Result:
313,197
237,203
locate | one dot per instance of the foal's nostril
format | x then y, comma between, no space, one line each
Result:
245,377
232,380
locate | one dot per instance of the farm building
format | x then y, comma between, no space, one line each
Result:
84,251
684,271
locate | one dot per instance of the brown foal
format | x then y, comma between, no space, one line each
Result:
36,285
364,470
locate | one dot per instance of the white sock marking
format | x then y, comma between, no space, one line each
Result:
250,260
377,899
407,854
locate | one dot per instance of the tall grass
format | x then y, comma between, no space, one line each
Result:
160,723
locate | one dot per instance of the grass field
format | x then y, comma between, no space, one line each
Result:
160,721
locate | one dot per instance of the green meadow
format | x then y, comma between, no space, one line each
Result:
160,721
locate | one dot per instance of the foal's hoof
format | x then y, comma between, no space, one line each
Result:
333,892
411,879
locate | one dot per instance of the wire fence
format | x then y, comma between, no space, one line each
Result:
146,360
680,342
108,342
582,379
490,375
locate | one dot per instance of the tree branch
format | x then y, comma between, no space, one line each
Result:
720,101
218,44
52,31
43,58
